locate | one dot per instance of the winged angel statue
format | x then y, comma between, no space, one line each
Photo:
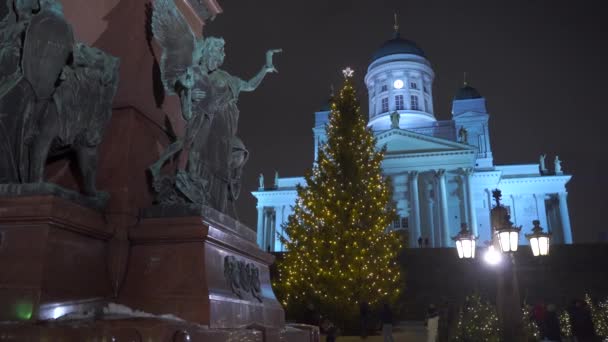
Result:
211,155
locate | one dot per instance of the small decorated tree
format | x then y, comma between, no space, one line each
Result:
565,325
477,321
340,251
599,315
530,327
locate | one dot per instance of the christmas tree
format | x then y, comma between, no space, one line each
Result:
477,321
599,315
531,329
340,251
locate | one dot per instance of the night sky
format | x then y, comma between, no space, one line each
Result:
541,65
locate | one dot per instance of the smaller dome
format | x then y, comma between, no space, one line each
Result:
397,45
467,93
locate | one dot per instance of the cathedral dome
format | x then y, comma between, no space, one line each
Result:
467,93
398,45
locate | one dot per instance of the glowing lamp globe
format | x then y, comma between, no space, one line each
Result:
539,240
465,243
508,238
492,256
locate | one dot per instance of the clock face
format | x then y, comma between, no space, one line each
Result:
398,84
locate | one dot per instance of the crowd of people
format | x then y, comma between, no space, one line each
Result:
547,319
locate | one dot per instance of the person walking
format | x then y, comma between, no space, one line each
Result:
582,323
330,332
551,331
432,323
364,315
386,317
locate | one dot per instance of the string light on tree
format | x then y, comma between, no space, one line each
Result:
477,321
339,251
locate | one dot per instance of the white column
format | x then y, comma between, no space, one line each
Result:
565,217
267,228
260,232
443,203
273,230
279,244
471,212
431,223
414,208
541,212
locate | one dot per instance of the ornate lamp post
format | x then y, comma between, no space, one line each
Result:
539,240
506,233
506,237
465,243
507,296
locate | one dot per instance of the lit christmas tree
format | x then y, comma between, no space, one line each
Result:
530,327
565,325
339,249
599,315
477,321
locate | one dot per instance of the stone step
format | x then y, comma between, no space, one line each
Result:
406,331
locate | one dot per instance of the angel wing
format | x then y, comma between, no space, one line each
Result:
177,40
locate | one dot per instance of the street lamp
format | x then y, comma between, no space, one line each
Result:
465,243
504,230
507,294
539,240
508,238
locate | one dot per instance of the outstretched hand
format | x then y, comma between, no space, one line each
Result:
270,68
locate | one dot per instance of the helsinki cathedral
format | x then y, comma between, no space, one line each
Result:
442,172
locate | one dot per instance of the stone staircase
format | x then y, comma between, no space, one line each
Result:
406,331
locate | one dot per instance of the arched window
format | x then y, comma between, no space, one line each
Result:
399,102
384,104
414,100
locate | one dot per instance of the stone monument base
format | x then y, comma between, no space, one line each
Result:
53,256
127,329
203,267
193,274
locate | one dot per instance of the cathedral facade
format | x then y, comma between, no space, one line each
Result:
442,172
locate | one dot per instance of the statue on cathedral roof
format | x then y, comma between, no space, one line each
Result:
463,135
190,69
395,116
543,167
558,166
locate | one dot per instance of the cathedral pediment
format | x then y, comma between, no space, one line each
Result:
400,141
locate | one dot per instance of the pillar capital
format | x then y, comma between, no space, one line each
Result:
440,173
413,175
467,171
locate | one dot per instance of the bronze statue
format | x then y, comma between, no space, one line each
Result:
190,68
55,94
463,135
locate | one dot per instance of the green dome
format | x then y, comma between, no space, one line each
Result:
398,45
467,93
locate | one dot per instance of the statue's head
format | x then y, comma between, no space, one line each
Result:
93,58
51,5
212,53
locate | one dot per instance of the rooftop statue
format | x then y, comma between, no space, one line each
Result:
558,166
190,69
55,95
